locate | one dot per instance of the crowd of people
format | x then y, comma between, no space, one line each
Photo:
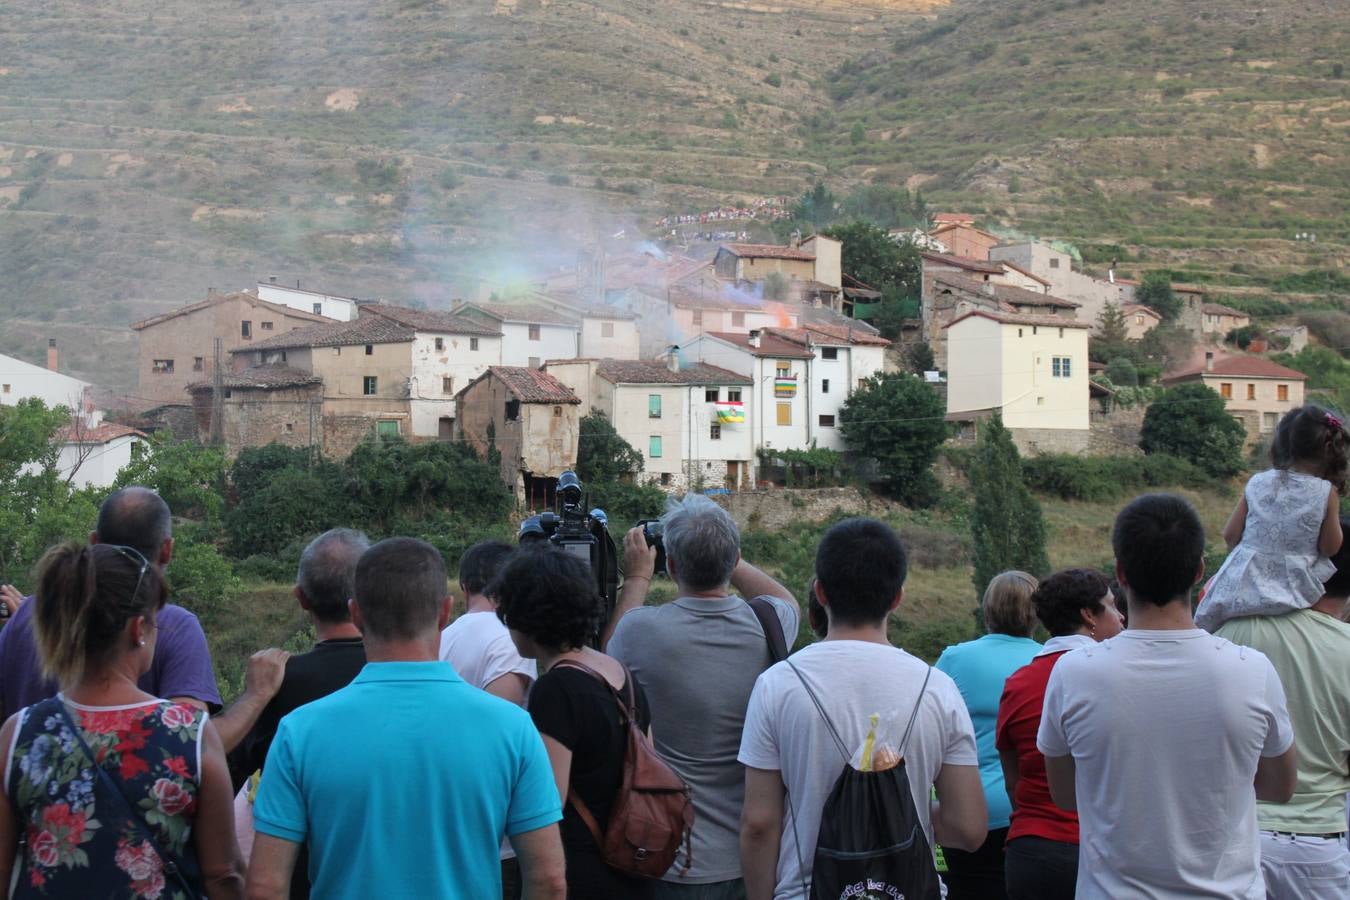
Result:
502,749
760,208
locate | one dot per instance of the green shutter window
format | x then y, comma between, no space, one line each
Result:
654,406
387,428
654,448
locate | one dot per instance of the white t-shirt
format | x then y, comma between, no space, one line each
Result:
480,648
1166,729
853,679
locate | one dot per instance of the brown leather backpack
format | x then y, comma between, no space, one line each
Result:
652,813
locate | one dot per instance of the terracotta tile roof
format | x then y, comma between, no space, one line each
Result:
1240,367
1131,309
530,385
99,434
769,251
655,371
261,378
769,345
1218,309
528,313
215,299
1008,318
365,330
961,262
944,218
831,335
435,320
1006,293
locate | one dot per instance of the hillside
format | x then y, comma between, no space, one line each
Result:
403,148
1191,133
397,147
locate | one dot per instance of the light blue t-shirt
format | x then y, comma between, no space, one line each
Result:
404,783
979,668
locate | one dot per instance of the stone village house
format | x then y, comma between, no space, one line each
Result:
531,419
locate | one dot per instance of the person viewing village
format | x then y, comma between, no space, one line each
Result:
697,659
979,668
1156,761
581,704
1077,608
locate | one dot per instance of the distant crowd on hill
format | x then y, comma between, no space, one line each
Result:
510,739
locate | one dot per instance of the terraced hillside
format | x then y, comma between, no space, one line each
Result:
1205,134
152,148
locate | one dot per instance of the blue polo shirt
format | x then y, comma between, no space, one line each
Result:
404,783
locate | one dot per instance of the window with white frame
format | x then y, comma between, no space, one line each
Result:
1061,367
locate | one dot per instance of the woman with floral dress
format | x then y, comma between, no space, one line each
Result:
111,792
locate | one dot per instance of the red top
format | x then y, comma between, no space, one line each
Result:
1019,718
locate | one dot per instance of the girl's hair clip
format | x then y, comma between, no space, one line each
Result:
1333,422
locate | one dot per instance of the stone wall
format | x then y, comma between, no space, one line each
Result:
1116,432
1031,441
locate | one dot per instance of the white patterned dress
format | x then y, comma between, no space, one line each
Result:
1276,568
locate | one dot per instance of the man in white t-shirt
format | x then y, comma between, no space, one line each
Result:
477,644
1164,737
791,760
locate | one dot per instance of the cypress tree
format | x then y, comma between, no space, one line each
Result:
1006,522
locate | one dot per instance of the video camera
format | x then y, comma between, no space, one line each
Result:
580,533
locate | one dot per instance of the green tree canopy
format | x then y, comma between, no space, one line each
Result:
1122,373
603,456
818,207
872,257
898,420
1155,291
1191,421
1005,523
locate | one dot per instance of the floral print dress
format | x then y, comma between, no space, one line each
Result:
80,842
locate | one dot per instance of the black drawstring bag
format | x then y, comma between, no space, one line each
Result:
871,844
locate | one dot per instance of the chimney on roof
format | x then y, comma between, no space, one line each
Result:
796,239
210,292
754,338
52,356
1209,360
673,357
271,279
987,287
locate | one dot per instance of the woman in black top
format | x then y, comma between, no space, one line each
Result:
548,601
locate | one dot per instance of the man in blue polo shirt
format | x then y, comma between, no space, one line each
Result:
405,781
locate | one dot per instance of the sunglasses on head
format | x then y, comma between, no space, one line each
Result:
137,558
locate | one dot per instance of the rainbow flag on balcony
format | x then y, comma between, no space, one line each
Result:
785,386
730,413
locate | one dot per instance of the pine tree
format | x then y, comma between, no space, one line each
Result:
1006,522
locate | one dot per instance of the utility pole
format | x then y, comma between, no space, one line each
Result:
217,398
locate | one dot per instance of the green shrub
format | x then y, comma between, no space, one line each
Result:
1107,478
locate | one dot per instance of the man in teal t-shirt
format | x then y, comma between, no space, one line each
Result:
405,782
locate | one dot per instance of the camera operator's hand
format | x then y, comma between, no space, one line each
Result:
11,598
266,669
639,559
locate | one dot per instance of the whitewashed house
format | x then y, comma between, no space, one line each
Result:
689,420
91,456
318,303
21,380
448,352
531,332
779,369
843,358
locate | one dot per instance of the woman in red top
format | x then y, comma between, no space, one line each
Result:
1041,856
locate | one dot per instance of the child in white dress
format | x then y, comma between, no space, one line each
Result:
1286,525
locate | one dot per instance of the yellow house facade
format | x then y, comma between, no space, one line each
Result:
1031,369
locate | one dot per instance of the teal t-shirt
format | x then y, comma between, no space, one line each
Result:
404,783
979,668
